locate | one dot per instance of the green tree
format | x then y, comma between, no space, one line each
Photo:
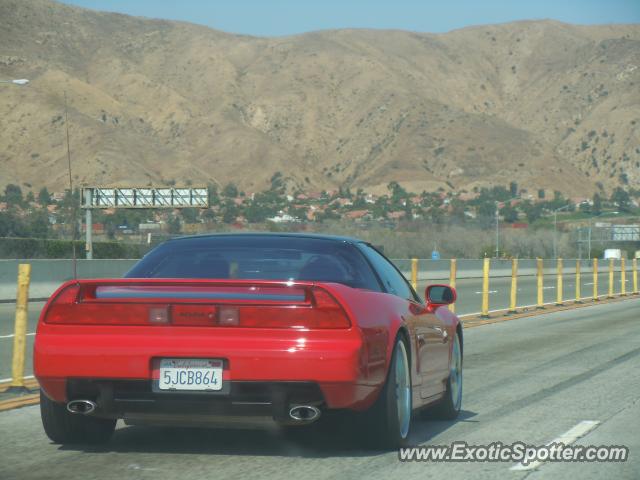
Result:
212,191
230,190
44,197
513,189
597,204
190,215
230,212
13,194
620,197
509,213
277,182
397,192
38,224
174,224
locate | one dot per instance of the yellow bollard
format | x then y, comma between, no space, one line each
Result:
414,273
19,340
559,282
485,287
513,304
540,275
611,264
595,279
578,294
452,280
623,277
635,275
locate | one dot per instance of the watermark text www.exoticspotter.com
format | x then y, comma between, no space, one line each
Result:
514,452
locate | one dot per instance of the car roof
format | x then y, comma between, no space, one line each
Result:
320,236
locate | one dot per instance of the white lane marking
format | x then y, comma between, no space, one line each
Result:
490,291
3,380
13,335
135,466
567,438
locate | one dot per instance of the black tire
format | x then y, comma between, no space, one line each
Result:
449,407
381,424
62,426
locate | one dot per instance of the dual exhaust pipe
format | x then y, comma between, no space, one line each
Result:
297,413
304,413
81,407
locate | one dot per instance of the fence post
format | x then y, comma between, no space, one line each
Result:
452,280
540,276
578,293
414,273
559,281
19,340
595,279
611,264
513,304
623,277
635,275
485,287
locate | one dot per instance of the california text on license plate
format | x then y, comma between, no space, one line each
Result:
190,374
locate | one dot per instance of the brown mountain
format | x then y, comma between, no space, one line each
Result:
546,104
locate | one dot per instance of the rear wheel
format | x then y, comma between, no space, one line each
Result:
62,426
449,407
388,422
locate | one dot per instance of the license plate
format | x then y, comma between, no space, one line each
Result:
190,374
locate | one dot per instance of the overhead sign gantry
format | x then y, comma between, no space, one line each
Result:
139,197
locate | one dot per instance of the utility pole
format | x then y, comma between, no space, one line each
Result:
89,224
497,231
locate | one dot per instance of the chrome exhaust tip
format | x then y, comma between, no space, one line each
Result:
304,413
82,407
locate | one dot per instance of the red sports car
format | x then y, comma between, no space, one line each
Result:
245,328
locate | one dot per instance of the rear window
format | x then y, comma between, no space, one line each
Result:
260,258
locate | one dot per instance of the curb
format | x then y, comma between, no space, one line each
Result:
474,320
17,402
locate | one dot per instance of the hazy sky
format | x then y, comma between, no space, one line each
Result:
285,17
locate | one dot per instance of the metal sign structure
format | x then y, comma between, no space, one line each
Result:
145,197
606,234
139,197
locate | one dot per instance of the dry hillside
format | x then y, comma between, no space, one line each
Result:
547,104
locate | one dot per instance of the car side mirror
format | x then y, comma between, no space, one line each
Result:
437,295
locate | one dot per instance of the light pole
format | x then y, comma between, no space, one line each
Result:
19,81
555,229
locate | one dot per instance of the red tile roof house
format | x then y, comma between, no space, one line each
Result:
356,214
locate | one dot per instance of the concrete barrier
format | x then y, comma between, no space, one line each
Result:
47,275
430,270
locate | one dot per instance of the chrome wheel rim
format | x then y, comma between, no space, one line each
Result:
403,389
455,376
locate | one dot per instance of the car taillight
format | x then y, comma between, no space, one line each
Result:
61,306
324,311
68,307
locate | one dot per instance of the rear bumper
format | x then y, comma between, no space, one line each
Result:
332,362
137,402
